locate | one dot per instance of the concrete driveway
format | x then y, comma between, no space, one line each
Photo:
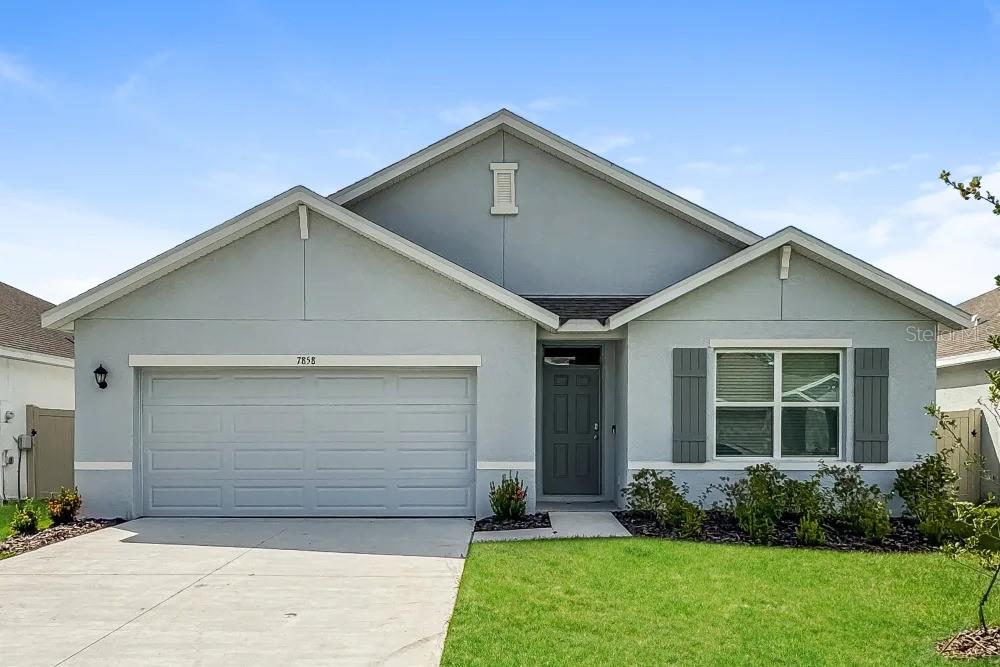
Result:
236,592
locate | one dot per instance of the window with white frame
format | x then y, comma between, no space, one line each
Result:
774,403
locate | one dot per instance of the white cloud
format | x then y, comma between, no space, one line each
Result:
945,245
14,72
863,173
605,143
691,193
127,89
56,247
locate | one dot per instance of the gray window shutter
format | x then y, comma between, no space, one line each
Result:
871,405
690,404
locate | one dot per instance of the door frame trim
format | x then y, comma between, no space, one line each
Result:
607,410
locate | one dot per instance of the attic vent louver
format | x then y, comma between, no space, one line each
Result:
504,202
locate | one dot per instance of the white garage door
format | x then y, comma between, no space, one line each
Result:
290,442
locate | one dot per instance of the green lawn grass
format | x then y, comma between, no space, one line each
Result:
658,602
7,511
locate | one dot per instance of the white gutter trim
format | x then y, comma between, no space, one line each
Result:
36,357
968,358
305,360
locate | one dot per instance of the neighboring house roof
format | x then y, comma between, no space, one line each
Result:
972,345
21,333
818,251
598,308
551,143
63,315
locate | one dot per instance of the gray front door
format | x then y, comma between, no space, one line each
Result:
571,437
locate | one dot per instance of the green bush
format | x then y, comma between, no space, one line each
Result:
809,532
24,521
649,491
65,505
860,507
929,490
509,498
757,501
692,523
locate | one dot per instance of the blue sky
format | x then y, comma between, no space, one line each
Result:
126,128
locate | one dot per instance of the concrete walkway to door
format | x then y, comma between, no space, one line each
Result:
237,592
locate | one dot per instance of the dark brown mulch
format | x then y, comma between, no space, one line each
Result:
721,528
537,520
19,544
976,643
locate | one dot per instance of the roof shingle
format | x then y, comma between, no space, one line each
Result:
973,339
21,327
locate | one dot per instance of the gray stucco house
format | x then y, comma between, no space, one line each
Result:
501,300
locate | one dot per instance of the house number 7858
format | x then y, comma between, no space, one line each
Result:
305,361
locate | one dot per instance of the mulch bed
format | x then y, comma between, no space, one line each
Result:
976,643
721,528
537,520
19,544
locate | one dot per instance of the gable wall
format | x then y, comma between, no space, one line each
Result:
751,303
273,293
573,234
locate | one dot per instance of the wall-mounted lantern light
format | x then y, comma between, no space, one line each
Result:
101,375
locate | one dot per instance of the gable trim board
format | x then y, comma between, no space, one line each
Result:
505,120
36,357
969,358
63,315
818,251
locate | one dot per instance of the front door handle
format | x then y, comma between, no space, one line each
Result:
597,429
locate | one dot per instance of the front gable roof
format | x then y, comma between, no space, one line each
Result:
504,120
63,315
818,251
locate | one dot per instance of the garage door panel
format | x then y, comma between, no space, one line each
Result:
436,459
280,460
184,422
254,497
437,388
185,497
308,443
183,460
352,458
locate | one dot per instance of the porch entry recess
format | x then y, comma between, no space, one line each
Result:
571,431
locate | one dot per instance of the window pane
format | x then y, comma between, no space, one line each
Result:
744,431
744,376
810,431
810,377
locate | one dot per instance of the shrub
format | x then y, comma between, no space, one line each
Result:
757,501
809,532
806,497
649,491
65,505
24,521
692,523
860,507
929,490
508,499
